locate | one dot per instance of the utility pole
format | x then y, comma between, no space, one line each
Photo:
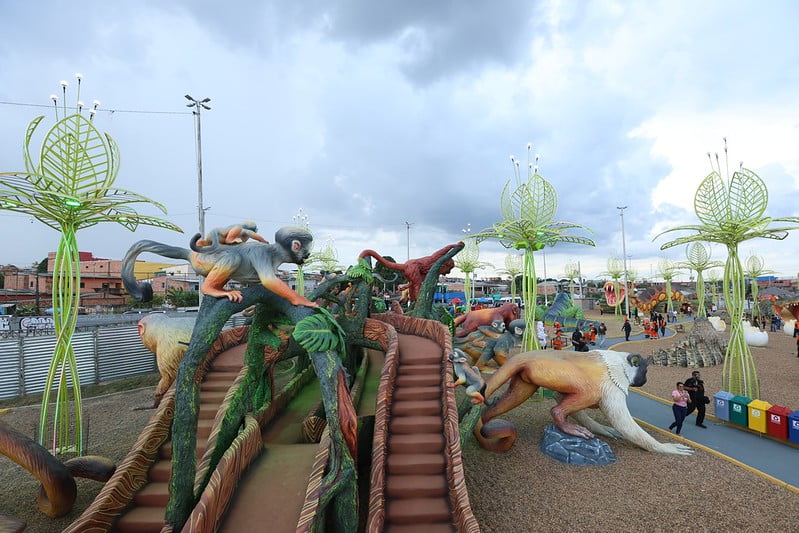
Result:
198,106
624,253
408,238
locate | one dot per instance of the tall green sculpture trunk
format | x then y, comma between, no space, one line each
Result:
66,300
740,376
529,293
700,296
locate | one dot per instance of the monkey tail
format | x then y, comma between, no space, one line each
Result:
143,292
380,259
495,435
213,247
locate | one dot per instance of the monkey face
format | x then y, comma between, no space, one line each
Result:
300,252
637,369
457,356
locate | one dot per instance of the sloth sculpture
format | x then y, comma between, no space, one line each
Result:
599,379
168,338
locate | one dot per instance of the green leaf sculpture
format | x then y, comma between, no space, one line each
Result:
732,211
667,271
572,273
361,271
527,224
71,187
319,332
698,260
513,268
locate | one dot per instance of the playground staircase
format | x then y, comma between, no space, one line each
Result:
417,491
146,513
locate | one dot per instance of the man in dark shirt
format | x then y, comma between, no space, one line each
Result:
696,390
626,328
578,340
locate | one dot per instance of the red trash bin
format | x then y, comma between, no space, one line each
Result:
777,421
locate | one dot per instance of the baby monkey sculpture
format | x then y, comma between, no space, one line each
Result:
247,262
466,375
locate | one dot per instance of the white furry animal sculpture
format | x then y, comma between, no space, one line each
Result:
599,378
168,339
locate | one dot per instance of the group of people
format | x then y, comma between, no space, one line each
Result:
689,397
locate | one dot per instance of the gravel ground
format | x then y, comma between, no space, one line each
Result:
523,490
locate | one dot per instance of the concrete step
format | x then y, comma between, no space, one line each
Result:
160,471
403,487
215,386
418,511
440,527
153,495
416,407
419,369
424,443
166,449
416,358
141,519
404,425
213,396
207,410
418,380
417,393
416,464
204,429
216,375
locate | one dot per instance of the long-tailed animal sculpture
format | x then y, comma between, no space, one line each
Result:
507,313
598,379
249,262
645,300
492,342
167,337
468,376
58,490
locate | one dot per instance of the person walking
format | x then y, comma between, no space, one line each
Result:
601,331
662,322
626,328
679,407
696,391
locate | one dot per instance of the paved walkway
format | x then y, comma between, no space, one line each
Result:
764,454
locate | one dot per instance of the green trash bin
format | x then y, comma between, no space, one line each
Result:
738,410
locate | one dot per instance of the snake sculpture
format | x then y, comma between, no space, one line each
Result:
554,313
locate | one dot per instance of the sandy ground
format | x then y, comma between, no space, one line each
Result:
523,490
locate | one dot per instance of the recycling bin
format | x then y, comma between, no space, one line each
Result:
793,427
757,415
738,411
722,405
777,421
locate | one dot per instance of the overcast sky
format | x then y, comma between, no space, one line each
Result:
368,115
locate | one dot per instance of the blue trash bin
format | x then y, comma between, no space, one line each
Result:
722,405
793,427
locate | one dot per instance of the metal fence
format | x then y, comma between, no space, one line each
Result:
102,354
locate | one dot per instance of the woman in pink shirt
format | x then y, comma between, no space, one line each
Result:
680,406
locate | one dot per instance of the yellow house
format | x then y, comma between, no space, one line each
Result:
146,269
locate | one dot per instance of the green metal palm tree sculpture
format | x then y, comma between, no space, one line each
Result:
572,273
698,260
467,261
667,271
713,277
71,188
615,271
325,260
527,224
731,211
513,268
754,269
301,219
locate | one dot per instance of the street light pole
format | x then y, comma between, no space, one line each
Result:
408,238
624,255
198,106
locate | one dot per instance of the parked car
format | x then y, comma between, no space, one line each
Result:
507,299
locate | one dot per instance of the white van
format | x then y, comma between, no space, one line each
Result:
508,299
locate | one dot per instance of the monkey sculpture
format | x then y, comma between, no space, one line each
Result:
492,342
468,375
235,234
599,378
469,322
247,263
168,339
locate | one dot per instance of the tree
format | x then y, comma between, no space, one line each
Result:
698,261
527,224
41,266
180,297
730,212
70,188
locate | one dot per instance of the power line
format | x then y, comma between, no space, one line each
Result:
110,111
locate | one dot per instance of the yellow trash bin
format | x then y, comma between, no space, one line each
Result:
757,415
